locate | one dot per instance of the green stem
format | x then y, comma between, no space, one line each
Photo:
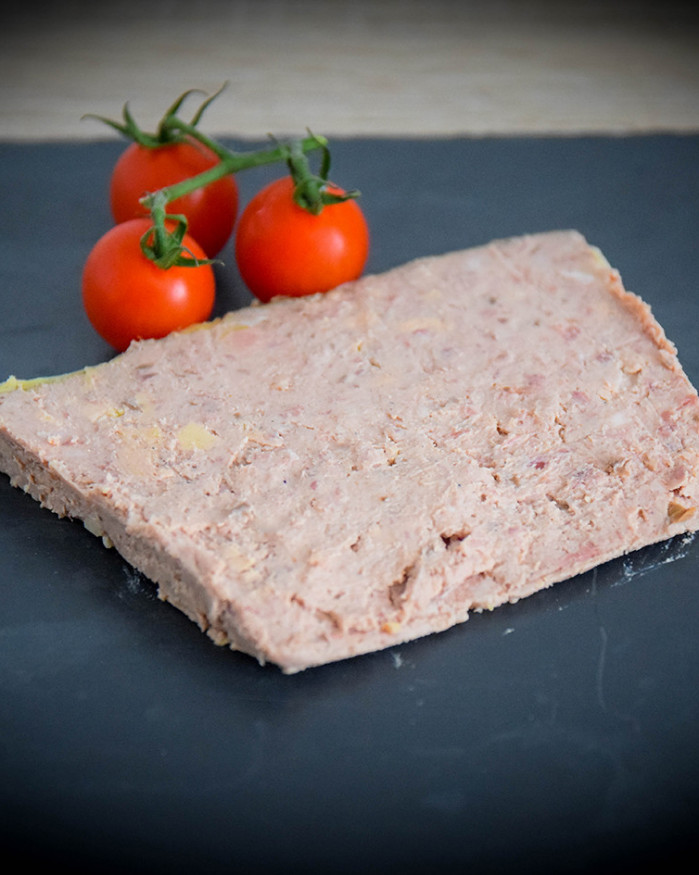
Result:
158,215
230,162
308,187
163,246
173,123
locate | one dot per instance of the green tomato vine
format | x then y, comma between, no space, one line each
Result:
163,243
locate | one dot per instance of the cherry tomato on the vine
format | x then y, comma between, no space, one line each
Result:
211,211
282,249
128,297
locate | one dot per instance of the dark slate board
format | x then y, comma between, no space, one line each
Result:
555,735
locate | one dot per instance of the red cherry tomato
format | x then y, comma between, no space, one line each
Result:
128,297
282,249
211,211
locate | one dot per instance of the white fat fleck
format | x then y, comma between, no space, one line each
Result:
422,323
93,525
195,436
578,275
619,418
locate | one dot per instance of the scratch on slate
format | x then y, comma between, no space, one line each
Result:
602,657
601,662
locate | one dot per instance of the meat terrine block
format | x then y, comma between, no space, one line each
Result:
318,478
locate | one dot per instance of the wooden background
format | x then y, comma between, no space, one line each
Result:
388,67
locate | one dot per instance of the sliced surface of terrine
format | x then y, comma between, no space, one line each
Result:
322,477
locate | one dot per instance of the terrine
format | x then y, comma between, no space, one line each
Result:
317,478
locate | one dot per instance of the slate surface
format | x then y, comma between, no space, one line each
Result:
555,735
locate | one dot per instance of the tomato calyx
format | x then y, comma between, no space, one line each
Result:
313,191
163,242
